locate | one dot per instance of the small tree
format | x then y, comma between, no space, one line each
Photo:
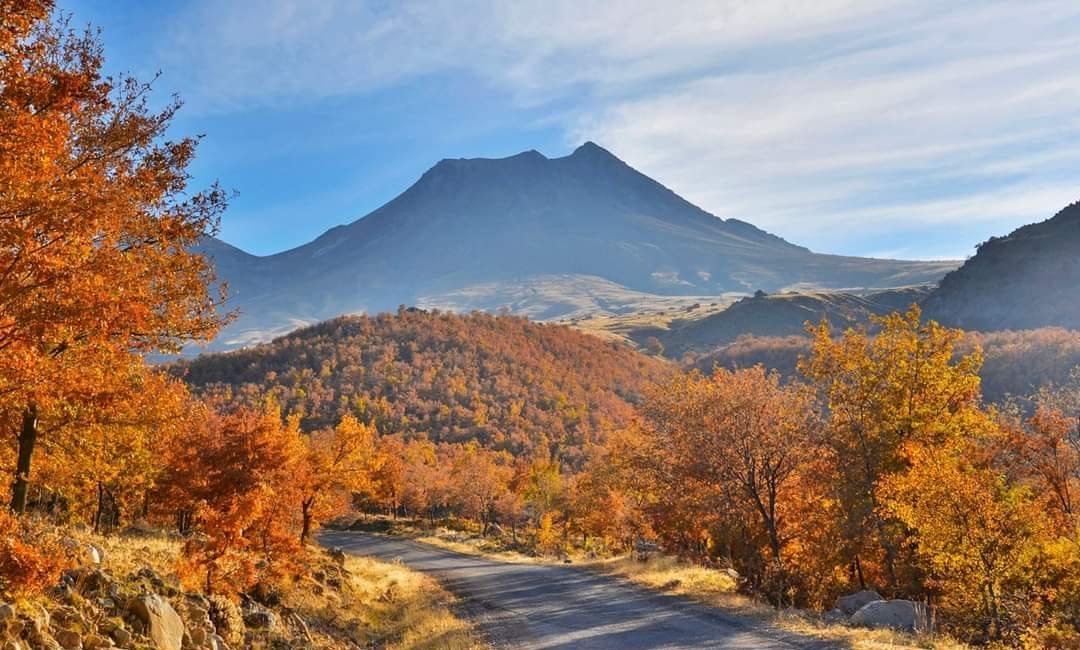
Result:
338,463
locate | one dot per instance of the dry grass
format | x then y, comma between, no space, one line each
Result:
366,603
379,604
125,554
717,589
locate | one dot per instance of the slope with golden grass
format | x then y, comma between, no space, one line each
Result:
328,602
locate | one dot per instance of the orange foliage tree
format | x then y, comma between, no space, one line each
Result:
338,463
736,442
881,392
233,483
96,226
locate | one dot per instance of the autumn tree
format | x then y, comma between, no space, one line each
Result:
104,456
96,224
976,534
235,478
902,384
389,480
337,463
737,440
480,478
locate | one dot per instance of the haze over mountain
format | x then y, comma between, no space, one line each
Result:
1028,279
548,238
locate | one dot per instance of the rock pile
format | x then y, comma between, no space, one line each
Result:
93,609
870,609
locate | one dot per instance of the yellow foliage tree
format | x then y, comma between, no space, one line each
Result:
882,391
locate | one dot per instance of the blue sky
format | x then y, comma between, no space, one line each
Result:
910,129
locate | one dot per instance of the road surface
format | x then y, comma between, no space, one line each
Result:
552,607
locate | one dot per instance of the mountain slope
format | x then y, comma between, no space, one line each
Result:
1028,279
470,226
501,380
782,314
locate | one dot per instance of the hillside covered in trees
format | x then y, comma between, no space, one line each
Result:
1027,279
1015,363
504,381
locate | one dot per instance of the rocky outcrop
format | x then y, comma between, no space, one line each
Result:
853,602
904,615
162,624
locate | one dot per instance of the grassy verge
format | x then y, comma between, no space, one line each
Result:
671,576
384,605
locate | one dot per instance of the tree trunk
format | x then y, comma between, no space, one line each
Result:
27,440
100,514
859,574
305,530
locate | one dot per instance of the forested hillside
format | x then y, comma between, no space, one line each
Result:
1015,363
501,380
1026,279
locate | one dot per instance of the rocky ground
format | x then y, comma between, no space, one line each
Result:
124,593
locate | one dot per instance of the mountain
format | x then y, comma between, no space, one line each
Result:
504,381
1028,279
547,237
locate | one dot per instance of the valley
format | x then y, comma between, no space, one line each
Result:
538,401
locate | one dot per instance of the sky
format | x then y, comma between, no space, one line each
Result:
908,129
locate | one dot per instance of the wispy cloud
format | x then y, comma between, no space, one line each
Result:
828,122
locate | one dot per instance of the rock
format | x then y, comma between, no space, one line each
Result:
215,642
338,556
66,616
902,615
198,616
95,582
9,621
91,554
731,573
163,624
86,554
851,604
96,642
198,600
834,616
68,639
121,636
260,618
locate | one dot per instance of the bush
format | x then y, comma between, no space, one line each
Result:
28,557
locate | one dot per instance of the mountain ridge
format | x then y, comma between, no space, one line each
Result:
1024,280
475,221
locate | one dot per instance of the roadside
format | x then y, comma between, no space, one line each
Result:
125,590
666,575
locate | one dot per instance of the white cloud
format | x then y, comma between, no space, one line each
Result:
820,120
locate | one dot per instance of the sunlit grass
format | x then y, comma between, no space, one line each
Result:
368,604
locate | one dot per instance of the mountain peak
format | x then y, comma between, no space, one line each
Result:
591,150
